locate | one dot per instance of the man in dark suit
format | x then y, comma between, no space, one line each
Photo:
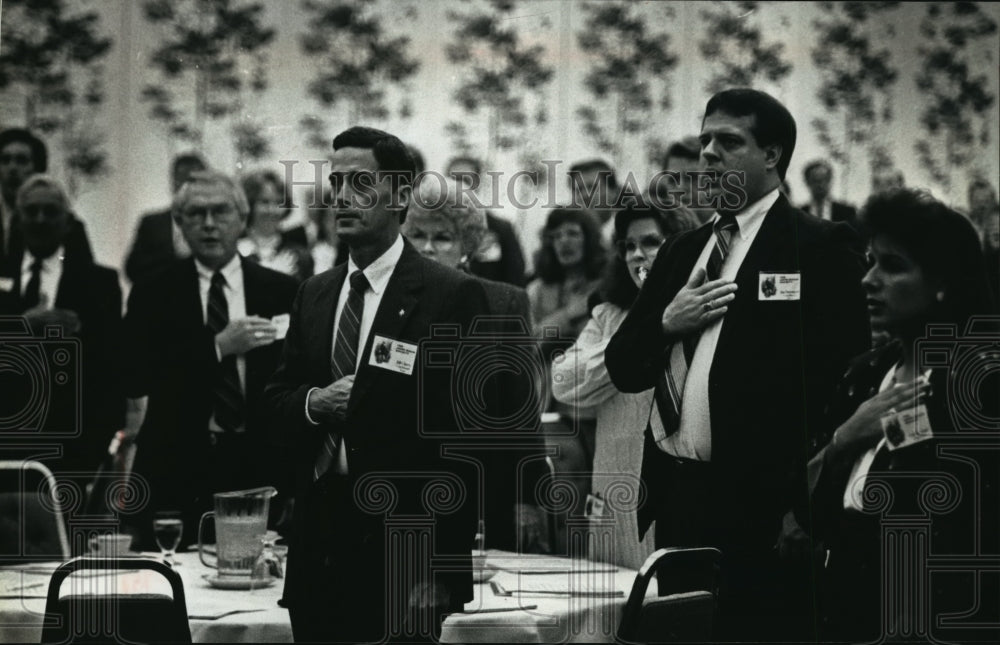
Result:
22,154
742,328
158,240
819,176
365,410
50,287
202,340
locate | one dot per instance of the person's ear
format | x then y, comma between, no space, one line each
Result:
772,155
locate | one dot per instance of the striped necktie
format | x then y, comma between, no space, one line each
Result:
669,389
345,358
229,402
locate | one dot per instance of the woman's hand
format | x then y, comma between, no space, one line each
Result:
864,429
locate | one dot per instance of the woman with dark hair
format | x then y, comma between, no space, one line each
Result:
265,243
899,449
579,378
568,269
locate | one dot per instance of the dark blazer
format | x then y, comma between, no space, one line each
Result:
393,431
897,485
775,364
172,360
97,408
514,463
76,244
839,212
153,248
509,267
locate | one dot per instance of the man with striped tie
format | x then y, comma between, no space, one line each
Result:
365,419
741,329
200,346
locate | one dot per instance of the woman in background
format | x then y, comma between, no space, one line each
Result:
265,243
897,444
580,378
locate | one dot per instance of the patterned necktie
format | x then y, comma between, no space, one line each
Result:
32,292
345,358
229,402
669,389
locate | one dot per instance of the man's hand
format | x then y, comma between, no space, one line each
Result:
240,336
697,305
532,528
864,429
329,404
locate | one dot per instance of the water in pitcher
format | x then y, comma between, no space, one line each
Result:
238,543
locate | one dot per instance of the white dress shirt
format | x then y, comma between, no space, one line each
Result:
237,304
51,273
693,439
823,210
378,273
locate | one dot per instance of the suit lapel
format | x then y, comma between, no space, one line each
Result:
326,307
397,305
687,255
773,233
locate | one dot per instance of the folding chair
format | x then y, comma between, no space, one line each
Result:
122,618
684,611
31,516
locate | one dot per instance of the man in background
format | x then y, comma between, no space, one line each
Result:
819,177
158,239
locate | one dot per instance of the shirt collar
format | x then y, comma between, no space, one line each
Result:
379,271
48,264
751,217
232,272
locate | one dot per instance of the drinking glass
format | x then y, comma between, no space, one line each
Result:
168,528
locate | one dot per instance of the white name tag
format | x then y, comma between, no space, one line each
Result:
393,355
6,284
280,323
906,428
779,286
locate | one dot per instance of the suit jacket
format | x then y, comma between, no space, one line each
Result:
172,360
839,212
95,402
852,593
76,244
774,366
395,423
153,248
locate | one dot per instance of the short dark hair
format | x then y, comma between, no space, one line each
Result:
595,165
39,153
617,286
419,165
390,153
816,164
686,148
773,123
595,256
942,242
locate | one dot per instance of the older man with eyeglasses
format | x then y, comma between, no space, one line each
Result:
202,338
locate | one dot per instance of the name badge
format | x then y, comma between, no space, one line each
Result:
6,284
393,355
280,323
779,286
906,428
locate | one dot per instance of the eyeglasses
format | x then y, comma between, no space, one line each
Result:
199,214
440,241
648,244
21,160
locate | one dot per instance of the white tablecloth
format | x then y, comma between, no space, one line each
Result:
555,618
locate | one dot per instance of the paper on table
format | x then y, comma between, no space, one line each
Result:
542,564
600,587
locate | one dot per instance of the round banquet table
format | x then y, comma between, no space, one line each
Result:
540,608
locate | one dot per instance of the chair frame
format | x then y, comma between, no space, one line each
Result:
662,563
27,464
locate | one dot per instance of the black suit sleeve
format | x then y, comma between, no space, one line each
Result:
636,353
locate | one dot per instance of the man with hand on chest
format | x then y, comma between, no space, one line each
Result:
365,419
742,329
202,338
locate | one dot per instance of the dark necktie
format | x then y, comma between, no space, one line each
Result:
669,389
32,293
345,358
229,401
